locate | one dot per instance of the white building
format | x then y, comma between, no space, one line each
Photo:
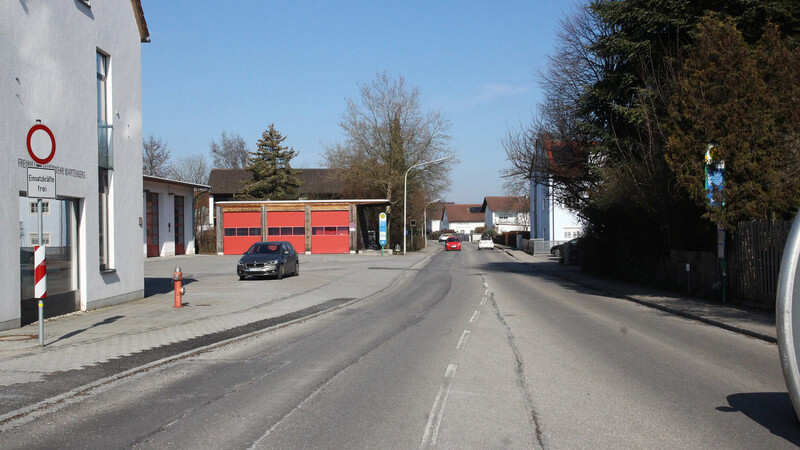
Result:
464,219
504,214
169,216
550,220
70,103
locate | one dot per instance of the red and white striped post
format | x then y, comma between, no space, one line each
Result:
40,286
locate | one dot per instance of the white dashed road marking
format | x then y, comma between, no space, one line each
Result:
463,341
435,418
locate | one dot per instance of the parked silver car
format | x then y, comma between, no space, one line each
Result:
276,258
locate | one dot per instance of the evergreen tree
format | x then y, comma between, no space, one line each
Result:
745,99
273,176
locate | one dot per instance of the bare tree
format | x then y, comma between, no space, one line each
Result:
387,133
230,153
155,157
192,169
554,149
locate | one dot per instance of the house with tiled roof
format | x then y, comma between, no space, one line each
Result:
464,218
549,219
504,214
434,217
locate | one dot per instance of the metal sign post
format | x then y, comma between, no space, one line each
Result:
715,187
40,273
41,184
787,313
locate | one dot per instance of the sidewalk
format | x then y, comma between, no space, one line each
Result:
217,306
752,322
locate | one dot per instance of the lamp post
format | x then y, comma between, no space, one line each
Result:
425,221
405,193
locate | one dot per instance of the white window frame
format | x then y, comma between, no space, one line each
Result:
34,209
34,238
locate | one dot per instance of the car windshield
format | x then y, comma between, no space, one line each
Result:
452,239
264,249
486,238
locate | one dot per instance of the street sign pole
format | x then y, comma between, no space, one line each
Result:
39,259
41,184
715,187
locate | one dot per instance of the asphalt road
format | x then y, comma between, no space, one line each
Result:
473,350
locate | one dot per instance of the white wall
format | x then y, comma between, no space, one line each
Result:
550,219
49,73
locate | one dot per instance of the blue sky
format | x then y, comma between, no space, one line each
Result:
239,66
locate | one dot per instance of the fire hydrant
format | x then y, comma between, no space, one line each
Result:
177,281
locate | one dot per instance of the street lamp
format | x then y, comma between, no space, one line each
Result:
405,184
425,221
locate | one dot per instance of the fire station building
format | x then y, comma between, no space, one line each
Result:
313,226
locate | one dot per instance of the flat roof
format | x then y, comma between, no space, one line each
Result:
278,202
175,182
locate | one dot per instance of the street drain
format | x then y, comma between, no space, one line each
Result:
19,337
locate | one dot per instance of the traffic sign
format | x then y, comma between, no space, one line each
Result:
382,229
46,158
41,183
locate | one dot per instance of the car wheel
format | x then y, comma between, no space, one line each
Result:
241,277
280,272
297,268
557,253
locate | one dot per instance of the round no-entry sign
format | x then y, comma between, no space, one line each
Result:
52,153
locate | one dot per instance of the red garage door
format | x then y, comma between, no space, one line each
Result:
242,229
330,232
287,226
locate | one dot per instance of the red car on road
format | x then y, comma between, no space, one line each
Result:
453,243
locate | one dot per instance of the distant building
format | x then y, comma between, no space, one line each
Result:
311,226
318,184
464,219
504,214
550,220
71,104
169,216
434,215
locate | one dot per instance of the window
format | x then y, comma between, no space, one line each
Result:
105,153
104,188
35,210
286,231
34,239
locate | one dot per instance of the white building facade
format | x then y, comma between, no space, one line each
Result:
168,212
463,219
505,214
71,104
551,221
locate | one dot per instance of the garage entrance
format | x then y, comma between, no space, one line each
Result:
241,230
287,226
330,232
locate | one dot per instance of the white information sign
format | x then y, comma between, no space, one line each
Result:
41,183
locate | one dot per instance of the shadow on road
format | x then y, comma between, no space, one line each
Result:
161,285
772,410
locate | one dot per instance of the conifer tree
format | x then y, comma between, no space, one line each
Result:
273,176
